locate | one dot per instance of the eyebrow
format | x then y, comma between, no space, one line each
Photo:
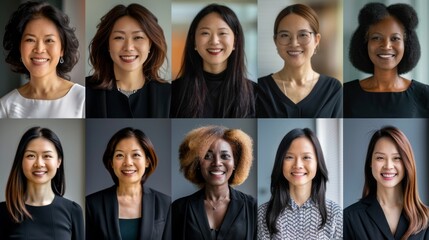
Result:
123,32
32,35
385,153
49,151
204,28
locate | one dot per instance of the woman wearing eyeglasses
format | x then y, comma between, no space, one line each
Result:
297,90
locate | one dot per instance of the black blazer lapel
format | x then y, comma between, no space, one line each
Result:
147,223
199,213
112,210
234,209
375,212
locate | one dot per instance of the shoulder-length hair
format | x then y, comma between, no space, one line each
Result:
144,142
104,76
198,141
415,211
301,10
14,29
371,14
17,183
236,98
280,195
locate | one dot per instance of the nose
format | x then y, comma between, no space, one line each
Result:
386,43
40,47
39,162
214,39
128,44
217,161
298,163
388,164
128,161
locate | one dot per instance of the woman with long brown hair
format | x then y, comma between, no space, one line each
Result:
390,207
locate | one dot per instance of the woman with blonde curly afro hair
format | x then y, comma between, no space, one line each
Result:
215,158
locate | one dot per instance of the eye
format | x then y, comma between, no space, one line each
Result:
225,156
379,157
50,40
119,156
395,39
29,40
138,37
30,156
307,157
137,155
288,157
223,33
47,156
284,35
209,156
204,33
118,38
398,158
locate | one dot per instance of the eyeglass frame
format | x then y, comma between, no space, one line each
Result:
290,37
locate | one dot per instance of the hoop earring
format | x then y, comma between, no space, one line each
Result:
61,60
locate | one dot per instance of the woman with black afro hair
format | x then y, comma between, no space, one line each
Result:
386,45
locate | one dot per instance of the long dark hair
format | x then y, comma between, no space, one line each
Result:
101,61
17,182
280,195
415,211
27,12
236,98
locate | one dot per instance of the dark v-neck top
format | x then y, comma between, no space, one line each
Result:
411,103
324,100
365,220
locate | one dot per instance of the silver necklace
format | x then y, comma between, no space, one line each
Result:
214,207
127,93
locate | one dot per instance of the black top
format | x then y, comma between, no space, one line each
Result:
151,101
102,219
214,88
129,228
62,219
411,103
189,218
324,100
365,220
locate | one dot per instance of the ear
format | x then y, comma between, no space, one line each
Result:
317,39
59,162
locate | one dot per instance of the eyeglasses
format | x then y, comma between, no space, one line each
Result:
285,38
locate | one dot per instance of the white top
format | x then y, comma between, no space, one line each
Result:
72,105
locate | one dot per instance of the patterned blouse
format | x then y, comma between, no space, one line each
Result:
303,222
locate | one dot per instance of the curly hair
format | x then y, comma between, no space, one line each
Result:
198,141
14,29
145,144
99,47
371,14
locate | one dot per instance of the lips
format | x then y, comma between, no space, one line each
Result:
38,60
39,173
388,175
214,51
298,174
128,172
386,55
294,53
128,58
218,173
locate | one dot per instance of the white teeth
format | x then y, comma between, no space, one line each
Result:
40,60
294,53
214,50
128,171
298,174
385,55
39,173
388,175
128,57
217,173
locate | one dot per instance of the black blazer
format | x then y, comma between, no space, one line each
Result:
365,220
189,219
102,220
113,104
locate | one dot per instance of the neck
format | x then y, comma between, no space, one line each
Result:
215,193
130,189
215,69
44,85
391,197
39,194
300,75
129,81
386,79
300,194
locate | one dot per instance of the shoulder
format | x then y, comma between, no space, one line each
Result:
333,82
77,91
183,201
262,209
72,206
97,197
333,207
355,209
265,80
421,87
159,86
10,96
351,84
160,197
243,196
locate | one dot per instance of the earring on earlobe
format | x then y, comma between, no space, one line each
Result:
61,60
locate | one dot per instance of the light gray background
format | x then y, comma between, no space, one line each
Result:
95,9
98,134
71,134
358,132
75,10
180,127
351,12
329,133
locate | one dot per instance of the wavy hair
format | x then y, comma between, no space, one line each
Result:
415,211
198,141
280,195
99,56
14,29
17,183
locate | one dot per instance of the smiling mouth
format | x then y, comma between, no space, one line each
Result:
39,60
215,51
39,173
127,172
129,58
298,174
386,56
217,173
388,175
294,53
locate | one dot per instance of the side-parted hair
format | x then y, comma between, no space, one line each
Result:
14,29
301,10
236,98
415,211
371,14
144,142
99,56
198,141
280,195
17,183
